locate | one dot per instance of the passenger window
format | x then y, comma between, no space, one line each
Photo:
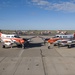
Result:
12,36
8,36
60,36
16,36
64,36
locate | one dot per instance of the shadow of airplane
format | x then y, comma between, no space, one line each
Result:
29,45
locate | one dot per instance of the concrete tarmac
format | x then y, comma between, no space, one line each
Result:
37,60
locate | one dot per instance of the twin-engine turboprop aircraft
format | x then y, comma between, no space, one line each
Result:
58,37
61,40
9,40
65,40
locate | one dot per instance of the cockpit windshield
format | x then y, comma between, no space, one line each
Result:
16,36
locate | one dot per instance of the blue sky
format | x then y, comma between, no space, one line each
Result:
37,14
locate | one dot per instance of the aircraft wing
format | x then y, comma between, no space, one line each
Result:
28,39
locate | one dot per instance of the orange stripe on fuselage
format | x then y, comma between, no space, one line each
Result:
19,40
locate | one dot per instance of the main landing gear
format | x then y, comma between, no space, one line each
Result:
3,46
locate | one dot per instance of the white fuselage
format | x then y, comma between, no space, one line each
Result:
8,39
65,39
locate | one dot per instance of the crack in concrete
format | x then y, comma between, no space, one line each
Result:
45,73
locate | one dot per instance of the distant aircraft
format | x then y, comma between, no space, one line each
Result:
10,39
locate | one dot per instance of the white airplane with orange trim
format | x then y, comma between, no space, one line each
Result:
11,39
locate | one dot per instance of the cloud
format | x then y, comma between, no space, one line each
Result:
41,2
65,6
56,5
68,5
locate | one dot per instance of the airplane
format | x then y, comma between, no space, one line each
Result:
10,39
62,39
67,40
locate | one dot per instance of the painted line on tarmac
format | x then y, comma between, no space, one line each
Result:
21,52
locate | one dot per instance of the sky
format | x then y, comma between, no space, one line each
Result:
37,14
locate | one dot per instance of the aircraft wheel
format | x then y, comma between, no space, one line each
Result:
48,47
69,46
59,45
3,46
55,45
